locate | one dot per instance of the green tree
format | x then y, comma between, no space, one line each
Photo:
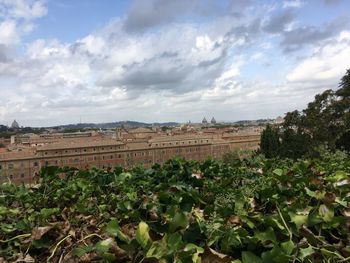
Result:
295,144
269,142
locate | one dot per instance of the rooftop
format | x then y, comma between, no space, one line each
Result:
79,144
180,138
141,130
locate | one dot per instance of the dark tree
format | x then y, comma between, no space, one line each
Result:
269,143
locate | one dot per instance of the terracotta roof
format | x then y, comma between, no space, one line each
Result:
141,130
137,145
16,155
180,138
79,144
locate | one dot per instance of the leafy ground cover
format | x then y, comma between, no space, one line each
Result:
252,211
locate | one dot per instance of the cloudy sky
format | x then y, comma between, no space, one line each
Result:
165,60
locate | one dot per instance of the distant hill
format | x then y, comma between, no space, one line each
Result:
111,125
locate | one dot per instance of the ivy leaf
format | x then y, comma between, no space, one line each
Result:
326,213
180,220
288,246
249,257
174,241
80,251
278,172
142,235
114,230
298,220
268,235
305,252
104,245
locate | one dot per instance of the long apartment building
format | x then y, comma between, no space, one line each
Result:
24,166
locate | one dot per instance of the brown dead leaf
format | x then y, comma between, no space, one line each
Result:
26,259
234,220
38,232
346,213
212,256
329,198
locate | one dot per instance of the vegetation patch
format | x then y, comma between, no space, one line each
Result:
256,210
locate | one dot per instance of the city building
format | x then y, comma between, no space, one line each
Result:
126,148
15,125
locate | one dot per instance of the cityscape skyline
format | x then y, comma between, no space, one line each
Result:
166,60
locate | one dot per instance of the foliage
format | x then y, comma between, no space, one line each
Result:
269,142
325,121
257,210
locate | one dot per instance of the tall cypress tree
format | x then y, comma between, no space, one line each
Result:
269,143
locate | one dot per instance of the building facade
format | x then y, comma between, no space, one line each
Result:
102,153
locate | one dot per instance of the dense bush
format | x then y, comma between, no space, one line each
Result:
256,210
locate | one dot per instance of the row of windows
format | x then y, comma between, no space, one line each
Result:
178,143
86,150
11,165
13,176
135,154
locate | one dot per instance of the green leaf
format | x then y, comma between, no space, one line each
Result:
142,235
114,230
157,250
249,257
193,247
326,213
317,194
268,235
288,247
180,220
298,220
174,241
305,252
278,172
104,245
80,251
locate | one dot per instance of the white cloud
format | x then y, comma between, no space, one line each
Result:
8,32
293,3
326,65
183,70
23,9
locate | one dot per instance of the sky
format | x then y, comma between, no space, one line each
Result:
64,61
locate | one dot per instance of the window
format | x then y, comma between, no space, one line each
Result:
0,167
119,156
11,176
84,150
111,156
45,153
36,164
111,148
22,175
46,163
10,165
